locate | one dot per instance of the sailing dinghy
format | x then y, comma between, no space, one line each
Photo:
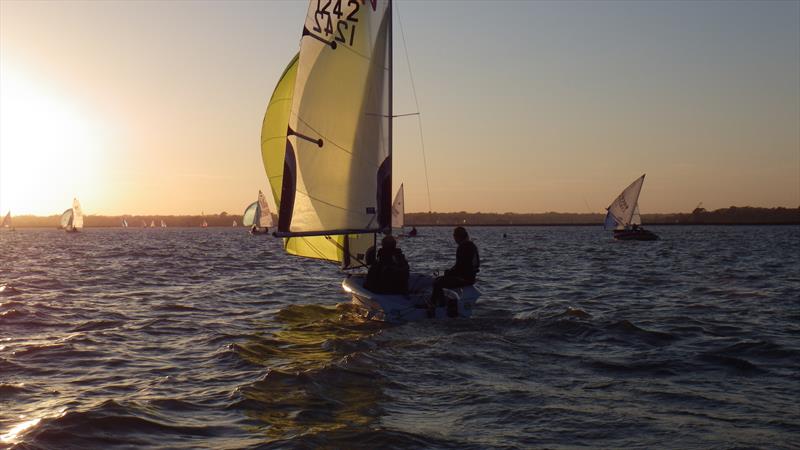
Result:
398,213
624,218
7,223
257,216
72,219
327,149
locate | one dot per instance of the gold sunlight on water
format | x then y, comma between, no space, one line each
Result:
14,433
17,431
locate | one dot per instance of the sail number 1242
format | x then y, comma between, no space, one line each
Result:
345,31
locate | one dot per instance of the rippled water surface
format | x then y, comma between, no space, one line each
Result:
190,338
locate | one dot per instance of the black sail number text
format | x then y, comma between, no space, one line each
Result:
346,20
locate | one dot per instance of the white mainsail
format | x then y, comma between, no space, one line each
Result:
337,168
624,211
77,221
398,209
124,223
7,221
163,224
263,217
335,93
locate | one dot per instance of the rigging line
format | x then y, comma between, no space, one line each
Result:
327,139
416,101
347,252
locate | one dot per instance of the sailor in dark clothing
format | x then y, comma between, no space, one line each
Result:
463,273
389,273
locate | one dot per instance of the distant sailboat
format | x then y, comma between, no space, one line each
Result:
234,224
398,212
624,218
327,149
257,216
124,223
163,224
72,219
204,224
7,222
144,224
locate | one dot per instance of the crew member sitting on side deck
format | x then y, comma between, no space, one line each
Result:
389,273
463,273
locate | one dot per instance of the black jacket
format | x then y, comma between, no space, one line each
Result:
468,262
389,273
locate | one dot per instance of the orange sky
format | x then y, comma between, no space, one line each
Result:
156,107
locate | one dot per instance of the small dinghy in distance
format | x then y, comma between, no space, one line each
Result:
72,219
7,223
396,308
257,216
624,218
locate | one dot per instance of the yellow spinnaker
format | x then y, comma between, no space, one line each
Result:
273,151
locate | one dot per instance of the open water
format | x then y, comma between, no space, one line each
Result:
191,338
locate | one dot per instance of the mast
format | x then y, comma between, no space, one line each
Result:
391,99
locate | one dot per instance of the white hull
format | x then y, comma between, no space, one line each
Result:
407,308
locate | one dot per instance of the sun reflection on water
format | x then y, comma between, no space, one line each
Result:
16,432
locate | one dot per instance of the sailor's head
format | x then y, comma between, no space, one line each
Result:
388,243
460,234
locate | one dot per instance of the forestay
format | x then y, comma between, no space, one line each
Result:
624,211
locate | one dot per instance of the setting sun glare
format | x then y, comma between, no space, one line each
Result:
49,148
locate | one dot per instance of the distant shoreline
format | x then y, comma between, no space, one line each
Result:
727,216
467,225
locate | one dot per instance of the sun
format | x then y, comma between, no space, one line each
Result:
49,148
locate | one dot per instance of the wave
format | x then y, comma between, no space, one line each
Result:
92,325
116,424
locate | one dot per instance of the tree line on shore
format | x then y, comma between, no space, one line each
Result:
725,216
734,216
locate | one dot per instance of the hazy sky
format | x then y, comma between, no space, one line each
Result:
155,107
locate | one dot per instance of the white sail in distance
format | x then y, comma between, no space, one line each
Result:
398,209
625,207
7,220
249,216
264,217
77,220
65,221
